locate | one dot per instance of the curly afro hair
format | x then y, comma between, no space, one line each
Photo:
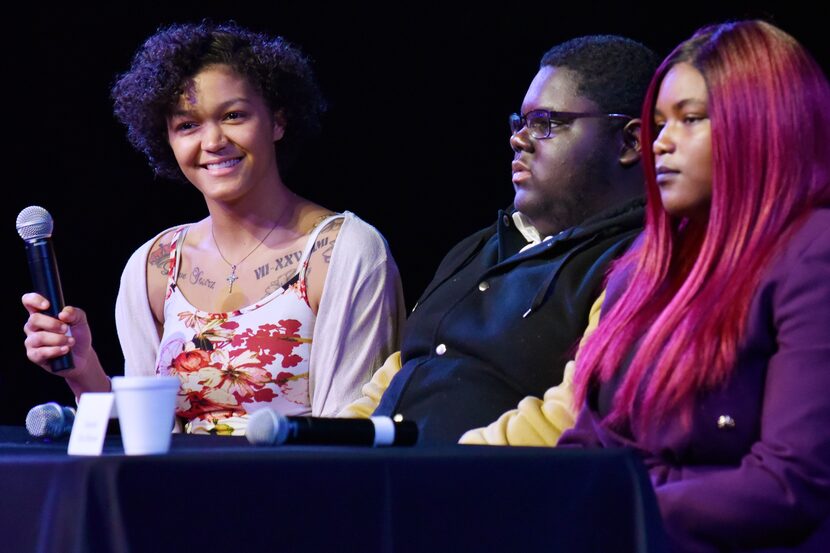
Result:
614,71
145,95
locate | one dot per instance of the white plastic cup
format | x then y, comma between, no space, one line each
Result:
146,406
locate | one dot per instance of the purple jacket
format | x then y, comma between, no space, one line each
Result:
754,470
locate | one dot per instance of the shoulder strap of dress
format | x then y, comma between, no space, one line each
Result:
312,241
176,255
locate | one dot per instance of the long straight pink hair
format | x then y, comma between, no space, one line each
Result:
681,317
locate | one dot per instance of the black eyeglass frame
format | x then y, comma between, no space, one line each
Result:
518,122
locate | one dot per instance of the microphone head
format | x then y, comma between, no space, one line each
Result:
46,421
34,222
267,427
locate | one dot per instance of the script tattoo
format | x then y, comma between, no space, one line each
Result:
197,279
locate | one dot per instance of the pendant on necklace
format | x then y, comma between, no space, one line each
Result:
232,278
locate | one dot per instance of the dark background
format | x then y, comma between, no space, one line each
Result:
415,140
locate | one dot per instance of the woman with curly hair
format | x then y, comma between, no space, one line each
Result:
712,356
271,301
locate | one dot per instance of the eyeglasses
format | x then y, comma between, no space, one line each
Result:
541,123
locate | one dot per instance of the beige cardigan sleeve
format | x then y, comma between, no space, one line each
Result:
359,320
537,422
134,320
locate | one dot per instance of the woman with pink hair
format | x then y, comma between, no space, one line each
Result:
712,356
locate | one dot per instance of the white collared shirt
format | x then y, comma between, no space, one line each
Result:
530,233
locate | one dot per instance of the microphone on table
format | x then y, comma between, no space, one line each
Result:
50,420
267,427
34,225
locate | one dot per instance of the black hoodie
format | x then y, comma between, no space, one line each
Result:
495,325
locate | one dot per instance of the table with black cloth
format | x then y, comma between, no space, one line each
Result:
215,493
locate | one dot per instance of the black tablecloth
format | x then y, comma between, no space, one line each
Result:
221,494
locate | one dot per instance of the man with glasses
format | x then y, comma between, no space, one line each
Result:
508,304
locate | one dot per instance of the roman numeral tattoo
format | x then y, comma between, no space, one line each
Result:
288,260
262,271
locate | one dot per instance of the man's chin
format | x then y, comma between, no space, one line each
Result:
522,201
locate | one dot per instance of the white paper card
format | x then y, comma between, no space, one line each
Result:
90,427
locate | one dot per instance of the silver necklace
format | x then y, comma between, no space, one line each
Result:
231,278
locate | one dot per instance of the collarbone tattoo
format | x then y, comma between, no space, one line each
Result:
198,278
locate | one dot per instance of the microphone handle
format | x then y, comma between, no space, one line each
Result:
313,430
333,431
46,281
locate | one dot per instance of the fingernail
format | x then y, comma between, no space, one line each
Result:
70,341
64,349
64,328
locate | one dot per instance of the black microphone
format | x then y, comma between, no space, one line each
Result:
34,225
267,427
50,420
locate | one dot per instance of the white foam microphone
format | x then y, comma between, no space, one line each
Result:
267,427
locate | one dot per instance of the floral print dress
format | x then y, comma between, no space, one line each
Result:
231,364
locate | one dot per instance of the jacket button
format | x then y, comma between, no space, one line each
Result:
506,220
483,285
725,422
440,349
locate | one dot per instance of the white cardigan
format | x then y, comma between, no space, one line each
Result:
358,324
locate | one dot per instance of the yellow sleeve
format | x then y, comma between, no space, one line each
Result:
363,407
537,422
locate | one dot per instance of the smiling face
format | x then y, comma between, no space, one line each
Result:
683,147
560,180
222,134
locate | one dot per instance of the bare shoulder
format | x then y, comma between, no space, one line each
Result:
158,258
333,226
326,238
320,258
360,239
158,267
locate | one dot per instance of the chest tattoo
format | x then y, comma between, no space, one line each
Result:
198,278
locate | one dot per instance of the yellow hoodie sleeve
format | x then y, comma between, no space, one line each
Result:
537,422
363,407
